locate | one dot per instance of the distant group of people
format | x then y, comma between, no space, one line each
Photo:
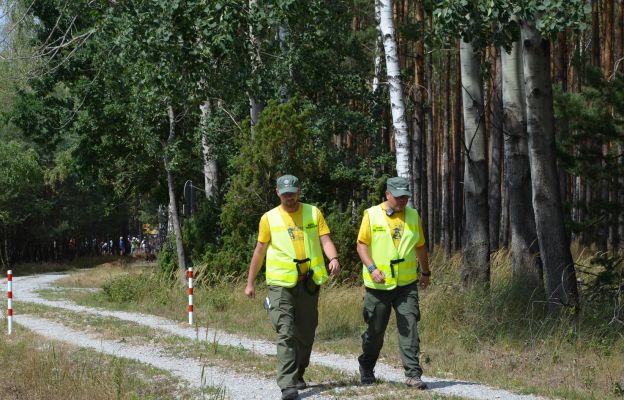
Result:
391,244
129,246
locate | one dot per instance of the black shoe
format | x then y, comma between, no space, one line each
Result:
290,394
301,384
367,376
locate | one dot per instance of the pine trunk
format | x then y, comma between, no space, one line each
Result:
446,200
553,242
476,268
495,150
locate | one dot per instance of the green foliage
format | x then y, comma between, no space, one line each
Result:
168,258
21,180
284,141
125,289
493,22
592,145
201,230
344,228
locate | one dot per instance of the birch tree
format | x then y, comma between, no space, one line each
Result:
173,206
210,168
553,241
397,104
476,268
526,264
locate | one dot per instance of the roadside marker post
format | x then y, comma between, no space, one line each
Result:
10,300
190,295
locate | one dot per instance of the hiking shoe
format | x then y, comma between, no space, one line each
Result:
290,394
301,384
367,376
416,382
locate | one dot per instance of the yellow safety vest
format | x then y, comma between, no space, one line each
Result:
281,259
398,265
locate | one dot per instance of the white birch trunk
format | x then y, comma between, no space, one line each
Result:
553,240
210,164
397,105
378,51
476,268
526,265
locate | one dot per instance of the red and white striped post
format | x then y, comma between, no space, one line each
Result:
190,295
10,300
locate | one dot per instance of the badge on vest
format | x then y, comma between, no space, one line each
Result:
378,229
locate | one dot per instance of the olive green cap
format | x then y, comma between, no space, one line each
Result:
287,184
398,186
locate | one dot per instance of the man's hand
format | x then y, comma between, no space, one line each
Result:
250,291
334,267
378,276
424,281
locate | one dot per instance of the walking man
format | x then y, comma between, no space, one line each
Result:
390,240
292,235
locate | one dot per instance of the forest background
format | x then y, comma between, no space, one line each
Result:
505,115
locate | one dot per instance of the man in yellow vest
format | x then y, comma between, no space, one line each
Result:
390,240
294,236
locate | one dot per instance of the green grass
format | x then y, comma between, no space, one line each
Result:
504,338
43,369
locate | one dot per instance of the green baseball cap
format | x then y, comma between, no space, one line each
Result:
398,186
287,184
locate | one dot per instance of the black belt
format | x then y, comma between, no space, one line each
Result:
393,263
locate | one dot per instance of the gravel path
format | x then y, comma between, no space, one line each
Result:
24,289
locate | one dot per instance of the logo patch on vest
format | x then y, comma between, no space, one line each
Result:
379,229
311,225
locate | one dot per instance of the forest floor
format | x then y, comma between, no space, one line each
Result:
63,321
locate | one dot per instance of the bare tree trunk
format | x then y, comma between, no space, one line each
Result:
446,200
526,264
553,242
429,148
595,42
458,215
210,163
476,268
173,207
607,53
401,137
495,150
418,118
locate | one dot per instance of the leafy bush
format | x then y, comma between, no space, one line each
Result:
168,258
125,289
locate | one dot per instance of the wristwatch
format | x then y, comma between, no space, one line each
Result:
423,273
371,268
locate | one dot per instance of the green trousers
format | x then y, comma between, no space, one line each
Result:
377,307
294,315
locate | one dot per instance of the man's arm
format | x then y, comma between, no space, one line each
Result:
254,267
423,261
330,251
363,252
